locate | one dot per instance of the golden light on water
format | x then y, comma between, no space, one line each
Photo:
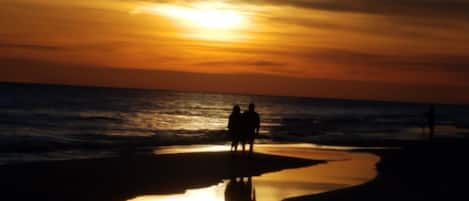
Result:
343,169
213,193
190,149
203,20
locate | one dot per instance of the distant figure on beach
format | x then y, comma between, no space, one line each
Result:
235,127
430,115
239,189
251,125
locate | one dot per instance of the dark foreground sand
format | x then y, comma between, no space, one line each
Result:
419,171
123,178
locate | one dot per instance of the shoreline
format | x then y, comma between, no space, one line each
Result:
123,178
417,171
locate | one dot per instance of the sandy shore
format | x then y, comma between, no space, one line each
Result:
419,171
122,178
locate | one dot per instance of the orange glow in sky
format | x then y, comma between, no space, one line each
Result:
202,20
416,51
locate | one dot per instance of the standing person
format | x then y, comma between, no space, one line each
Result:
235,127
252,124
431,121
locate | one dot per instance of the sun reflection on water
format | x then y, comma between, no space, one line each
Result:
212,193
343,169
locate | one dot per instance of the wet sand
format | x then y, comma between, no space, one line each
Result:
124,178
419,171
342,170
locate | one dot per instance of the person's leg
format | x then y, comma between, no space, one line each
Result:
243,144
236,142
232,145
232,138
251,144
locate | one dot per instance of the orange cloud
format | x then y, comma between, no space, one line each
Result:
345,41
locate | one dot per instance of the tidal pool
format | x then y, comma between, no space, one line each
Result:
342,169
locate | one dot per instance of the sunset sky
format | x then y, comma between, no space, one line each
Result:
406,50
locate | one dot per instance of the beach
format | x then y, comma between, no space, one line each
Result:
150,176
145,100
291,172
436,170
121,178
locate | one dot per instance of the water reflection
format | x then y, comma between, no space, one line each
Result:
240,189
343,169
301,150
235,189
212,193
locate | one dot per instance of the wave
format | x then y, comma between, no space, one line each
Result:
93,141
41,119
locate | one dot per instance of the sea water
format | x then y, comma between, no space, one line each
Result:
41,122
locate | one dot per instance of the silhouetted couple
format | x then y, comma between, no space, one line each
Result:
239,189
244,127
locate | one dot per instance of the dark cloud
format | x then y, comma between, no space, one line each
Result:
384,28
36,71
105,46
266,66
390,17
243,63
423,8
30,46
455,63
424,62
242,50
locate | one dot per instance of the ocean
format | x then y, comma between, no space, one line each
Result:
53,122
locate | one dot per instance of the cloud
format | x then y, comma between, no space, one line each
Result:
37,71
30,46
243,63
103,46
389,18
259,66
423,8
423,62
349,59
376,27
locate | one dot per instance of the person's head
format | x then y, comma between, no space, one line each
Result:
236,109
252,107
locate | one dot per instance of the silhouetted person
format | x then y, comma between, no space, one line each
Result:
240,190
235,127
251,123
430,114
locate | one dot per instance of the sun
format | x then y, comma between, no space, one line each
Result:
203,16
204,20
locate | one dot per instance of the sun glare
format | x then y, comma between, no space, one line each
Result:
210,20
206,17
